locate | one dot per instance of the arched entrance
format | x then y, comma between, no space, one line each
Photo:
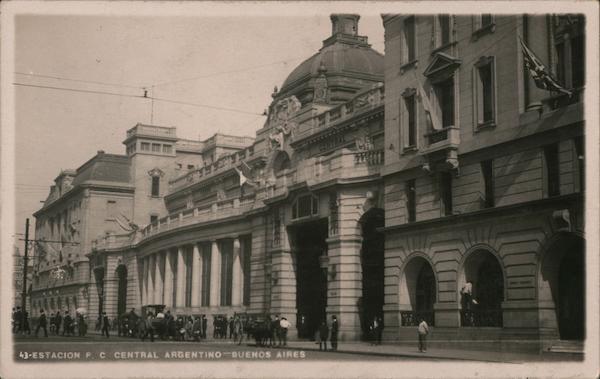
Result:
482,272
311,279
562,281
121,289
417,292
371,256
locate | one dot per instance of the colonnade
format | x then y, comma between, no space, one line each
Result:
191,276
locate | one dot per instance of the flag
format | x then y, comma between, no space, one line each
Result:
540,75
424,99
244,171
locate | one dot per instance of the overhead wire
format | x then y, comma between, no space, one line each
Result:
79,80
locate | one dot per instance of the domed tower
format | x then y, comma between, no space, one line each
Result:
345,65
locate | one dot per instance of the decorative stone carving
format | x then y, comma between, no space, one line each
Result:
156,172
561,220
283,111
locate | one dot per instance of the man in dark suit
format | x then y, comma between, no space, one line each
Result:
57,322
105,324
18,320
334,333
67,324
42,324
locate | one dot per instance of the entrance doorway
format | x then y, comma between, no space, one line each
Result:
311,280
571,295
372,268
483,307
562,281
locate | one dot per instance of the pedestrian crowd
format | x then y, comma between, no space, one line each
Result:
56,324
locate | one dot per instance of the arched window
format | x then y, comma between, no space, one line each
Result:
282,162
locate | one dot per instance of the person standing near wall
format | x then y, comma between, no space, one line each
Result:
334,333
423,330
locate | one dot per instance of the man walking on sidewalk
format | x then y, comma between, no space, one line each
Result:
42,324
423,330
284,324
334,333
105,325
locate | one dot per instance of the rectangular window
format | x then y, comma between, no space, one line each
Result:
190,167
206,254
409,39
153,219
111,209
189,261
166,149
444,29
226,248
411,203
156,147
487,170
145,146
580,161
411,127
446,193
485,90
155,186
246,266
445,95
552,170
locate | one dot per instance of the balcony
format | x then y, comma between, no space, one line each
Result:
343,165
446,138
361,104
220,166
216,211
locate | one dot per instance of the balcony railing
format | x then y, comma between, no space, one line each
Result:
448,137
362,103
222,164
481,317
213,212
413,318
344,164
151,130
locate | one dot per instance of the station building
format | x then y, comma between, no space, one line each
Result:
354,201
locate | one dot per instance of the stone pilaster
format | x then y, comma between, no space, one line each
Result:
283,281
345,284
196,273
145,281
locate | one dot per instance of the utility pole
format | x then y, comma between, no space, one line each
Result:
24,300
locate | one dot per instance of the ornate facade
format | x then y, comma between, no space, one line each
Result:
488,187
473,175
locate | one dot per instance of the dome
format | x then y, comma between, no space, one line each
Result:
346,61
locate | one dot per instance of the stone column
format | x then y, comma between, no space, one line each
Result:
237,280
145,281
196,273
159,278
169,275
151,277
180,294
215,274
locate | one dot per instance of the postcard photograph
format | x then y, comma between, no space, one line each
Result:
291,190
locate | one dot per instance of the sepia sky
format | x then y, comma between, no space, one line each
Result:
221,61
